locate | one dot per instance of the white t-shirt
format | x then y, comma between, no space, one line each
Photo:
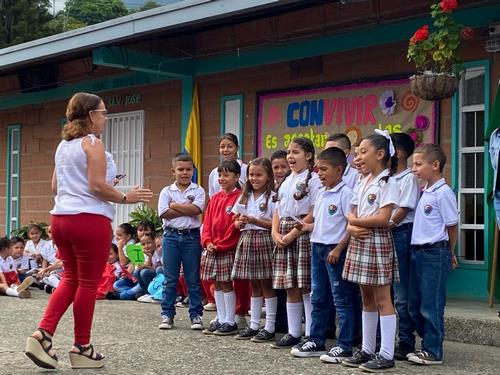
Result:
436,210
213,179
287,205
25,263
330,214
350,176
49,252
7,265
375,194
408,194
31,249
256,208
157,258
193,194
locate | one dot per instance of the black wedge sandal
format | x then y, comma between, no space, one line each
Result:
84,358
38,353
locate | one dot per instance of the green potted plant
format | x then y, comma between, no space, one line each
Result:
146,213
435,53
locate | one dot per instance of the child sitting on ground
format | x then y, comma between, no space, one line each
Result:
25,265
9,280
36,243
111,273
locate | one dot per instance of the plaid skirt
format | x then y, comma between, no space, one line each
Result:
217,266
372,261
254,256
292,264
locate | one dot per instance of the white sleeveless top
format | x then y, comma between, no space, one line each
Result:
73,191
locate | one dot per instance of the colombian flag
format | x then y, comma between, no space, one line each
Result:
192,143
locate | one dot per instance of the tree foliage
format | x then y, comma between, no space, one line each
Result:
91,12
23,20
150,4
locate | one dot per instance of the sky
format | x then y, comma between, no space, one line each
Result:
60,3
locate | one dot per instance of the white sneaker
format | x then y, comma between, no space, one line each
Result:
240,321
145,299
156,301
210,307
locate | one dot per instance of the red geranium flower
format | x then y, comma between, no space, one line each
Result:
421,34
467,33
448,5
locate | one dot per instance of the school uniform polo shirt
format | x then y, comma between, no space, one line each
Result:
375,194
287,205
408,194
330,214
193,194
257,208
350,176
436,210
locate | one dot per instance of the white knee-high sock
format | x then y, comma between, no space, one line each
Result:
271,307
255,311
220,305
12,292
369,329
307,312
294,314
388,333
230,302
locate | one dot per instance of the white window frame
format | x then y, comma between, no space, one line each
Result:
12,172
469,150
232,118
126,161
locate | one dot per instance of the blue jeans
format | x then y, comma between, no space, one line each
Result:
326,283
427,293
144,277
127,289
402,242
182,249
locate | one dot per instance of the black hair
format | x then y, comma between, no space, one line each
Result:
17,239
4,243
146,224
182,156
403,142
334,156
231,166
308,147
342,139
128,229
382,143
114,248
248,188
34,226
150,235
278,154
432,153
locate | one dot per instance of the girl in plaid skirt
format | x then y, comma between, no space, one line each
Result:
219,237
253,260
371,260
292,254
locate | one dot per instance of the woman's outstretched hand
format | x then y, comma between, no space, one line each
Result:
138,195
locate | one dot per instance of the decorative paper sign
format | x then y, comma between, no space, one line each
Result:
135,254
355,110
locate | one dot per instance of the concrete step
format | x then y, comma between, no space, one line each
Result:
472,323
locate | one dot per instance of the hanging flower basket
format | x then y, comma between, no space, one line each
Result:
433,86
434,50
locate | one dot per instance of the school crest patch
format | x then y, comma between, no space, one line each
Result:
229,209
371,198
332,209
262,207
427,209
190,198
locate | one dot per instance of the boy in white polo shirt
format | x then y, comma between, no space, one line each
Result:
433,239
343,142
179,207
329,243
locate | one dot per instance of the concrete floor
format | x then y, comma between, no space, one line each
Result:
127,333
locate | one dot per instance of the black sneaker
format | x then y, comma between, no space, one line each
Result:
286,342
402,351
48,289
425,358
247,334
357,359
377,364
214,326
263,336
197,323
335,355
227,329
166,322
309,349
302,341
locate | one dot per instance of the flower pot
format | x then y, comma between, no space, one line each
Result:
433,86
